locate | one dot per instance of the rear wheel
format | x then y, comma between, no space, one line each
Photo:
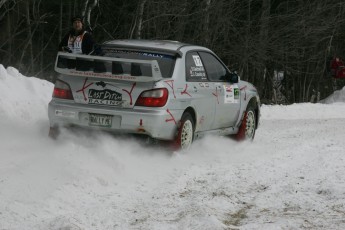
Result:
248,125
185,133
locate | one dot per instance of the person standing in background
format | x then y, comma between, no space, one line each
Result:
77,40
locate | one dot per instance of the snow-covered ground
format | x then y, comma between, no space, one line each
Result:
291,177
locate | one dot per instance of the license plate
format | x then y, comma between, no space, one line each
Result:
100,120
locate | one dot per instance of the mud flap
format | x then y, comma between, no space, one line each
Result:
240,136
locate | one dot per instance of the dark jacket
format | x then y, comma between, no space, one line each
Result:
87,44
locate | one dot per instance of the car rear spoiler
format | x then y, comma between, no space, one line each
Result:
107,67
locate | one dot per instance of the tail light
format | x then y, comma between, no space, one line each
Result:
153,98
62,90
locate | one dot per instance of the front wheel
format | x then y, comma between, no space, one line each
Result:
185,134
248,125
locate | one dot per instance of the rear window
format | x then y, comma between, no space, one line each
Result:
166,62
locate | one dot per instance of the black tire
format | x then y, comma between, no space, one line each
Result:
248,125
185,132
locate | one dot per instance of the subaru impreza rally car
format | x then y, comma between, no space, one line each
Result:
164,90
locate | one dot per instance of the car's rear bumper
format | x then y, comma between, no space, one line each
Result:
156,123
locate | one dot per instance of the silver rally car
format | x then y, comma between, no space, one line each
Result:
165,90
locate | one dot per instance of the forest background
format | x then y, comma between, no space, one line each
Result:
283,47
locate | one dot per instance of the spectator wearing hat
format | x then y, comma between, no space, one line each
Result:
77,40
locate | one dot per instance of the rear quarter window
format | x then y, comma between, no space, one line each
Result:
195,70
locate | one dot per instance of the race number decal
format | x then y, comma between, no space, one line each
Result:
197,60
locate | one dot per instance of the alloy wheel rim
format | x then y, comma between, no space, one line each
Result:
186,134
250,125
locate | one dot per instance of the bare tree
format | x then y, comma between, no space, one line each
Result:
28,47
140,18
87,8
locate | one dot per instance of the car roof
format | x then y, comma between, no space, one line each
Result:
172,47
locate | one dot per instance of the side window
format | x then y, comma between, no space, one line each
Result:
195,70
215,69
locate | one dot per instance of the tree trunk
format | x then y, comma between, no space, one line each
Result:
207,23
9,33
140,18
84,8
87,15
263,41
28,21
60,22
28,45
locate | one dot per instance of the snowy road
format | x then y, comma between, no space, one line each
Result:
290,177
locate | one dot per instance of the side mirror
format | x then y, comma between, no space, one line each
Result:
233,77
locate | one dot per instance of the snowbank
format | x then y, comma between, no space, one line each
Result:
337,96
303,111
23,99
331,107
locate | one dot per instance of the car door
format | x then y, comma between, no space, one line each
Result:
201,95
228,94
